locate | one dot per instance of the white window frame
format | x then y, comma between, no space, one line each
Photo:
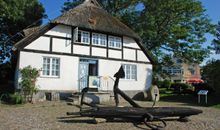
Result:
51,68
99,39
77,32
114,42
130,71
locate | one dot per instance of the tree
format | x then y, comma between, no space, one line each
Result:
175,26
167,27
115,7
16,15
210,74
216,42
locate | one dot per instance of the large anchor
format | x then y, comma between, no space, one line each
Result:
136,112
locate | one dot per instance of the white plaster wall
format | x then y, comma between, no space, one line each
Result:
42,43
60,30
114,54
129,54
98,51
68,72
84,50
129,42
68,80
144,75
61,45
142,56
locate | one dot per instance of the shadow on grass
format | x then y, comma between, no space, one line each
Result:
192,100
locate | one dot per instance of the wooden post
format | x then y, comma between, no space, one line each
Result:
206,99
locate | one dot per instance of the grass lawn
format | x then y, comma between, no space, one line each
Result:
190,99
217,106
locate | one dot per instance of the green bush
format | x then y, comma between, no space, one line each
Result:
180,87
210,74
166,84
16,98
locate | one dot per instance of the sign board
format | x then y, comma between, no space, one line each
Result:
203,92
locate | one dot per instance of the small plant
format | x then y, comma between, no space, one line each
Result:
28,82
16,98
4,97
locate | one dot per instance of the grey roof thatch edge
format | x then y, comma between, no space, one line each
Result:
33,36
30,30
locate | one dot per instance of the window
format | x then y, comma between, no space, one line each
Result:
83,37
99,39
130,71
114,42
51,67
173,70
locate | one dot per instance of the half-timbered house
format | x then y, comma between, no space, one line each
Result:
84,47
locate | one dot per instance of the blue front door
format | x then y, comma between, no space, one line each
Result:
87,70
83,75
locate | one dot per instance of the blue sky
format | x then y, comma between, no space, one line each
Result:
213,10
212,7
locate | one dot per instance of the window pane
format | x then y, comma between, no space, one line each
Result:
51,66
103,39
111,41
130,71
95,39
55,67
115,42
85,37
46,66
134,71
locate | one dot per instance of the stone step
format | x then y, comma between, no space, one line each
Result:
90,97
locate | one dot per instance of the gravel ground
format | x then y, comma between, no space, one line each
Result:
52,116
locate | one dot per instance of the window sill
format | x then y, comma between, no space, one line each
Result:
98,45
129,80
82,43
52,77
117,48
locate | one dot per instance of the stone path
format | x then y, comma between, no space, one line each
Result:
52,116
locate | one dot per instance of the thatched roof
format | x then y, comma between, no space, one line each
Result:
90,15
29,31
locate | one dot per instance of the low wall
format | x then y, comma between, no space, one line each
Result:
94,97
